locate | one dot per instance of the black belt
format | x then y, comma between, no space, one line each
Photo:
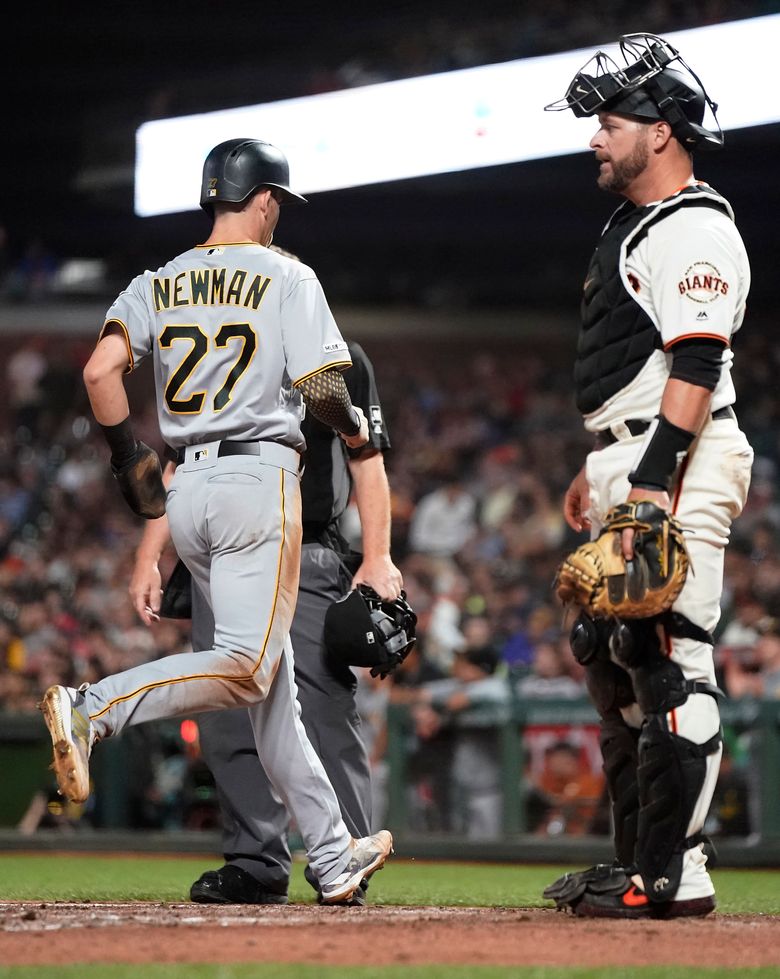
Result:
228,448
638,426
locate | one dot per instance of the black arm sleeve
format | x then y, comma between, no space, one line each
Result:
362,388
698,360
327,398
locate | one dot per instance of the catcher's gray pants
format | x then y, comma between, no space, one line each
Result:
254,823
236,523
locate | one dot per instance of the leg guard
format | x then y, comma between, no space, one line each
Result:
619,752
672,775
610,688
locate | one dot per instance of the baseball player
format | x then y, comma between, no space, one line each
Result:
663,297
257,866
240,338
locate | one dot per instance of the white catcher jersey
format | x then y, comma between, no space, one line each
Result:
690,274
232,330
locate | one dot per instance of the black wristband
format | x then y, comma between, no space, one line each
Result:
356,422
122,443
665,447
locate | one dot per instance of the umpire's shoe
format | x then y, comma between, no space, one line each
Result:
368,855
232,885
72,737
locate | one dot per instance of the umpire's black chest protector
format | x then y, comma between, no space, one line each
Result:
616,335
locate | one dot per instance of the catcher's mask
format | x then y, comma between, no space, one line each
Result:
646,87
363,629
236,168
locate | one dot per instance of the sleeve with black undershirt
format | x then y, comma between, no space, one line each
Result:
361,384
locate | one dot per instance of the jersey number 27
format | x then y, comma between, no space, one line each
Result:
199,341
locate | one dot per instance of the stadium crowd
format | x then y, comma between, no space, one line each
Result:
485,442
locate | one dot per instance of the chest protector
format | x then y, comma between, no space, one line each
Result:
616,335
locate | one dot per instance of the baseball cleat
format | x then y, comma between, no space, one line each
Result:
72,737
632,902
232,885
368,855
358,899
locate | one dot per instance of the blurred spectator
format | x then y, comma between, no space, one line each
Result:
443,521
550,674
566,795
768,657
729,813
24,371
474,772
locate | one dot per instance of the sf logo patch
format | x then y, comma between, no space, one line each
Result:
702,283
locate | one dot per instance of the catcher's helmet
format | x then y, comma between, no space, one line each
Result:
237,167
645,87
362,629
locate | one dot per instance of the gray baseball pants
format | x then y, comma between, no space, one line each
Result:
236,523
254,823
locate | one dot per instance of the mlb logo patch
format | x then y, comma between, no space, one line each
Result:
201,455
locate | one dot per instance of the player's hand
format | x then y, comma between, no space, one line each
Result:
659,497
360,438
381,575
576,503
146,589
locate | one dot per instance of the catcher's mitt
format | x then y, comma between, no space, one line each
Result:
141,483
597,577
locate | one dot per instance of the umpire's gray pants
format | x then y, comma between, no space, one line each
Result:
236,523
254,823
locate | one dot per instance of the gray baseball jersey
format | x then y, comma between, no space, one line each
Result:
232,330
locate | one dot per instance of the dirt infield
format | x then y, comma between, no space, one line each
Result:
41,934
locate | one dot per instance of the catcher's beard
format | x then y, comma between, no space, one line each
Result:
625,171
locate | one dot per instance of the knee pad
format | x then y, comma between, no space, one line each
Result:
671,775
608,684
619,753
660,685
589,637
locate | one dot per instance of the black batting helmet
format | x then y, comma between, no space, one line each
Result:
362,629
646,87
237,167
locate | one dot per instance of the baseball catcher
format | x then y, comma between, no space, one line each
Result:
663,296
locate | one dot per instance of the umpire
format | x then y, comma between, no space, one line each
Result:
257,856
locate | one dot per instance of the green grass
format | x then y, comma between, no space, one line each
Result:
88,877
273,970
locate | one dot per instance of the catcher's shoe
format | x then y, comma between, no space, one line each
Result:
72,737
232,885
632,902
603,878
368,855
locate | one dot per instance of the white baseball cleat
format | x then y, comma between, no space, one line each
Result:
368,855
72,737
